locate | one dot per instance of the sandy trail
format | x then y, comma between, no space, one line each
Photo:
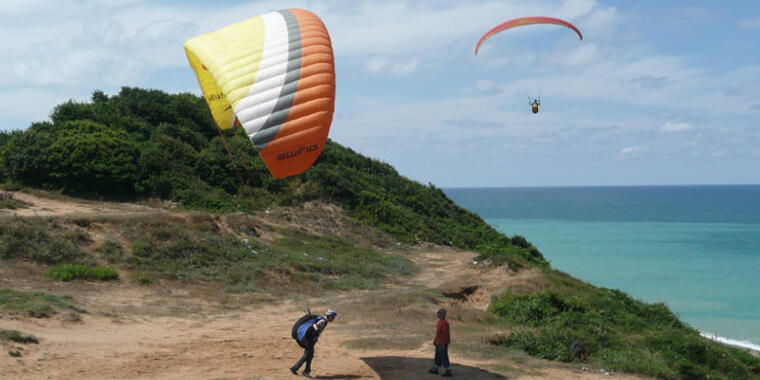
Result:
162,332
213,343
41,206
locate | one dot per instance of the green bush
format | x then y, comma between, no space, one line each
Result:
68,272
17,336
143,278
612,330
10,186
34,304
42,243
195,250
112,250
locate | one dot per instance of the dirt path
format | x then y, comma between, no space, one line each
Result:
65,206
252,343
137,332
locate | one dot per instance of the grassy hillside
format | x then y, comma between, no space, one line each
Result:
142,145
146,143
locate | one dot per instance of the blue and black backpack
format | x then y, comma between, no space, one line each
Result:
302,325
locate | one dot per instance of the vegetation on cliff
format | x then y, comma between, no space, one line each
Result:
146,143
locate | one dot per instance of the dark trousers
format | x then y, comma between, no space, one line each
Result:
308,354
442,355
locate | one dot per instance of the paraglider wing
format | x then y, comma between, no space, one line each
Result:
274,75
524,21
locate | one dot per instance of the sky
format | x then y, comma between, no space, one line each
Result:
656,93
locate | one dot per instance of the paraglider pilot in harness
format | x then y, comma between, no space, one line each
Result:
534,105
306,332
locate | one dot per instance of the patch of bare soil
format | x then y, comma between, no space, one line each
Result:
64,206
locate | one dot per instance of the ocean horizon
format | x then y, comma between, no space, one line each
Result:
695,248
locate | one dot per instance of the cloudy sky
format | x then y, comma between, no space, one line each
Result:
656,93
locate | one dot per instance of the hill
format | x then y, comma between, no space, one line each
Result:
142,206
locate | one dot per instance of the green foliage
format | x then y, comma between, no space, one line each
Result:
112,251
146,143
77,156
337,263
376,194
18,337
87,155
69,272
143,278
7,201
25,159
10,186
5,136
197,251
72,111
34,304
612,330
22,239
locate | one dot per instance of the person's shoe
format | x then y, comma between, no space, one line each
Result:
447,373
295,371
306,373
433,370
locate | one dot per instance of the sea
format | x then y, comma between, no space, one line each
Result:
694,248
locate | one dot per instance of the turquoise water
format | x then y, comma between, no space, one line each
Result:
695,248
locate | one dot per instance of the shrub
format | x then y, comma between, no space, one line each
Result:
34,304
24,239
112,250
68,272
17,336
11,186
143,278
608,328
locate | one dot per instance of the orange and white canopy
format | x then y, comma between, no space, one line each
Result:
274,75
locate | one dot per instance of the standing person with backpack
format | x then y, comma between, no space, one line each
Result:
441,343
306,332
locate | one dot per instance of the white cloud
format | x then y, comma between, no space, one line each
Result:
629,152
487,87
677,127
379,64
376,64
405,67
601,23
394,27
582,55
750,23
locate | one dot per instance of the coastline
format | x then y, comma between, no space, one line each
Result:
752,348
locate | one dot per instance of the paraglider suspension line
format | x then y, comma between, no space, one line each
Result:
229,153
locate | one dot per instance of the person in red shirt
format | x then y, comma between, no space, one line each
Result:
441,342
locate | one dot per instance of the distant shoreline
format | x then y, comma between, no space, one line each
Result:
754,349
572,187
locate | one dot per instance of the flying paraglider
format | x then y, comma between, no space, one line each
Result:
522,21
274,76
534,105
